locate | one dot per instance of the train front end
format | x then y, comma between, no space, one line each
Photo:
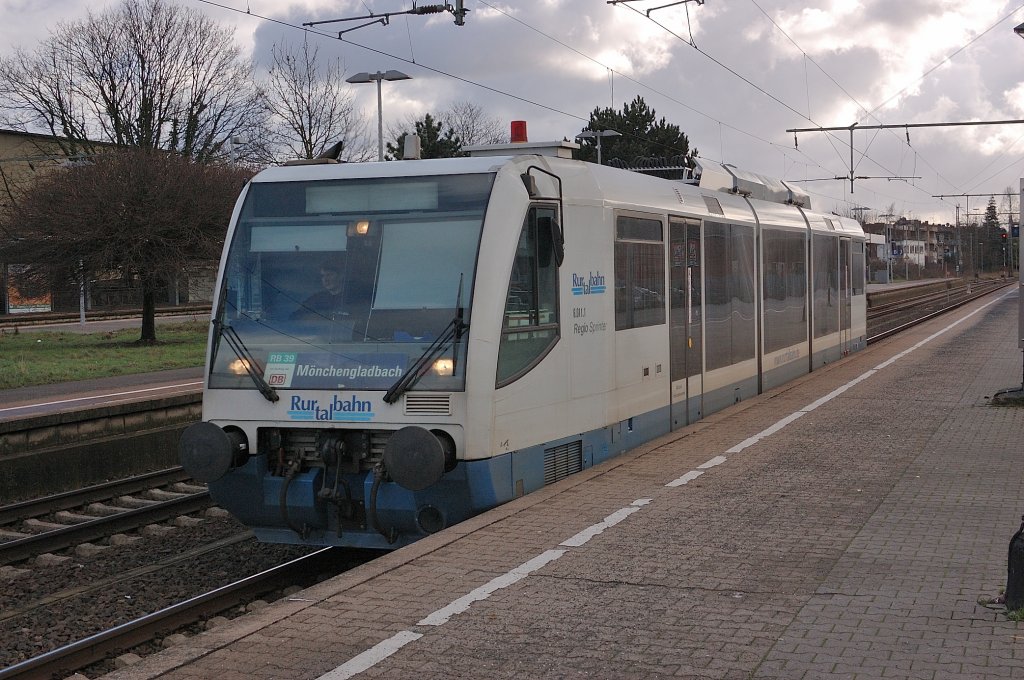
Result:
335,399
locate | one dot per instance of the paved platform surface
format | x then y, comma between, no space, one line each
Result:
99,393
844,526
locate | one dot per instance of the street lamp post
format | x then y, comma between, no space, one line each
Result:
377,78
597,134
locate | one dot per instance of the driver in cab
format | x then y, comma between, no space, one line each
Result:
328,303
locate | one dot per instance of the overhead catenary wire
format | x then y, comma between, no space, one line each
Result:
788,107
870,114
737,75
432,69
332,36
784,149
553,109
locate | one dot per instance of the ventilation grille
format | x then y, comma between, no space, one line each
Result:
713,205
428,404
562,461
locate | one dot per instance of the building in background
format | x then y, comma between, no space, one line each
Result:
24,158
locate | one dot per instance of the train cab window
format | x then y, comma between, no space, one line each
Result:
530,322
639,272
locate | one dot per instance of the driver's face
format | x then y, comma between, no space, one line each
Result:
331,279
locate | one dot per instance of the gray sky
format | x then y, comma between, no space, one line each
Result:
758,67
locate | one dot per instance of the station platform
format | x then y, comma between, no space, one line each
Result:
850,524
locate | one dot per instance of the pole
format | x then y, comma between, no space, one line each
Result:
81,292
888,255
380,121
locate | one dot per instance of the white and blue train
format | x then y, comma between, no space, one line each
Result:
399,346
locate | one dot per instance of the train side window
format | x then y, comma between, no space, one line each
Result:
858,268
639,272
530,322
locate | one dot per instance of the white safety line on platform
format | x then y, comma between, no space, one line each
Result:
372,656
514,575
685,479
717,460
102,396
391,645
609,521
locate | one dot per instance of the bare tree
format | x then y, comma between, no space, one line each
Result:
1009,205
466,120
139,213
146,73
310,106
472,126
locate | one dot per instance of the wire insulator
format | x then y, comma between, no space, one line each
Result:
428,9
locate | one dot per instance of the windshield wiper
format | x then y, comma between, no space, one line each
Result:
452,334
252,367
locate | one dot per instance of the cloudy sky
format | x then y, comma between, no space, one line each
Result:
733,74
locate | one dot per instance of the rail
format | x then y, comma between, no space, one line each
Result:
99,492
41,318
888,319
125,519
66,660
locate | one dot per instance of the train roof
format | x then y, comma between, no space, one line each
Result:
712,203
709,198
417,168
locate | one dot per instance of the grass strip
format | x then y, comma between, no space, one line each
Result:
44,357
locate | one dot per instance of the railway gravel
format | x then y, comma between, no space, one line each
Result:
40,611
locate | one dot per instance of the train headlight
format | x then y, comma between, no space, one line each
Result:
444,367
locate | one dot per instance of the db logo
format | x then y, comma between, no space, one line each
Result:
277,378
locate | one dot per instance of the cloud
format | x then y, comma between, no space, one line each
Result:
828,63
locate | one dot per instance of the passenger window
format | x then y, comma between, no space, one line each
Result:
530,323
639,272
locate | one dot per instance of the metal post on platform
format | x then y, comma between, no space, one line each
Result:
1014,594
1020,292
81,293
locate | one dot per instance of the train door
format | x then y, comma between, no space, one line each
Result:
845,294
685,321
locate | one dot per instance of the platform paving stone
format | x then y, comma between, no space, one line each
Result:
854,543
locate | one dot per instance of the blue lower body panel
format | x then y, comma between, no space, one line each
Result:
314,508
310,508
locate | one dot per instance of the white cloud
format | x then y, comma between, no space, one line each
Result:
864,53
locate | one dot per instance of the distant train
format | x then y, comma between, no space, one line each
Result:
399,346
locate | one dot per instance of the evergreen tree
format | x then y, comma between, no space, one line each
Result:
990,237
642,137
433,144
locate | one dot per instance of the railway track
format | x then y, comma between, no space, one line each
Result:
66,660
62,521
887,319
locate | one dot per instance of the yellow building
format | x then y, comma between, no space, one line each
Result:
23,157
26,156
